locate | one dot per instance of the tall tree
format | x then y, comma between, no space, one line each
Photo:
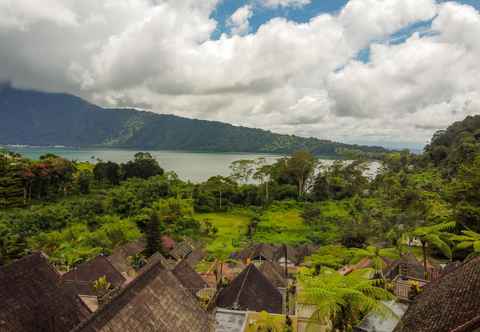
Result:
152,233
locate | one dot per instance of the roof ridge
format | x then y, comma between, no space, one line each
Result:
144,276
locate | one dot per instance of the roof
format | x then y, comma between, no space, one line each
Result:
230,320
195,257
409,263
273,273
261,250
373,322
154,301
82,277
251,290
291,252
188,277
182,250
120,255
451,303
31,299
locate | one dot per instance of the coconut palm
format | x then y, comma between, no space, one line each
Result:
341,301
468,240
435,236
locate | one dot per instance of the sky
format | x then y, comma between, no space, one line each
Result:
383,72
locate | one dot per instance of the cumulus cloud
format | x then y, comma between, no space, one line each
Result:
239,21
285,3
298,78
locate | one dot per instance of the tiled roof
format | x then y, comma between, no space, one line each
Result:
82,277
154,301
120,255
451,303
407,265
188,277
31,299
274,274
250,290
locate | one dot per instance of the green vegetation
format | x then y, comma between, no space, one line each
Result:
59,119
230,230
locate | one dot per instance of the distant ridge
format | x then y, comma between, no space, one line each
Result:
36,118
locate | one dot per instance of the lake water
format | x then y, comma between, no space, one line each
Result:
193,166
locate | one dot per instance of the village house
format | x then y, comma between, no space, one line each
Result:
451,303
154,301
32,299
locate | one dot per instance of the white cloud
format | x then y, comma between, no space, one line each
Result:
239,21
285,3
290,77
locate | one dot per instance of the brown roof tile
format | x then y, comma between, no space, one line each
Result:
154,301
273,273
31,299
451,303
82,277
188,277
251,290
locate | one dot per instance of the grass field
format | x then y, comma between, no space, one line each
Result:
232,229
282,223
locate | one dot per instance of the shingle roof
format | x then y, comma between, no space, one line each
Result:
31,299
82,277
251,290
292,253
409,263
451,303
154,301
273,273
261,250
188,277
120,255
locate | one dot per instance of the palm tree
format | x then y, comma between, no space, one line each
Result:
469,239
435,236
341,301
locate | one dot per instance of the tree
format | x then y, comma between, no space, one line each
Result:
435,236
242,170
263,174
296,169
376,255
152,233
342,300
468,240
143,166
107,171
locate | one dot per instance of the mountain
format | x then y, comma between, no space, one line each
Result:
39,118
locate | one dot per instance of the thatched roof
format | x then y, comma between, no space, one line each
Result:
407,266
274,274
82,277
120,256
258,251
154,301
451,303
188,277
31,299
251,290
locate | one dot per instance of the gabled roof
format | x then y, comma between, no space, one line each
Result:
451,303
409,263
261,250
154,301
273,273
291,252
82,277
251,290
188,277
120,255
31,299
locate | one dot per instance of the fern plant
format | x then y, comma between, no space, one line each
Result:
341,301
468,240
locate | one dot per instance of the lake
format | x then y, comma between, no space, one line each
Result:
193,166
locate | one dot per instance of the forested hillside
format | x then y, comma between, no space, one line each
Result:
37,118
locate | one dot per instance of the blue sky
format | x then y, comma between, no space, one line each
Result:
261,14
